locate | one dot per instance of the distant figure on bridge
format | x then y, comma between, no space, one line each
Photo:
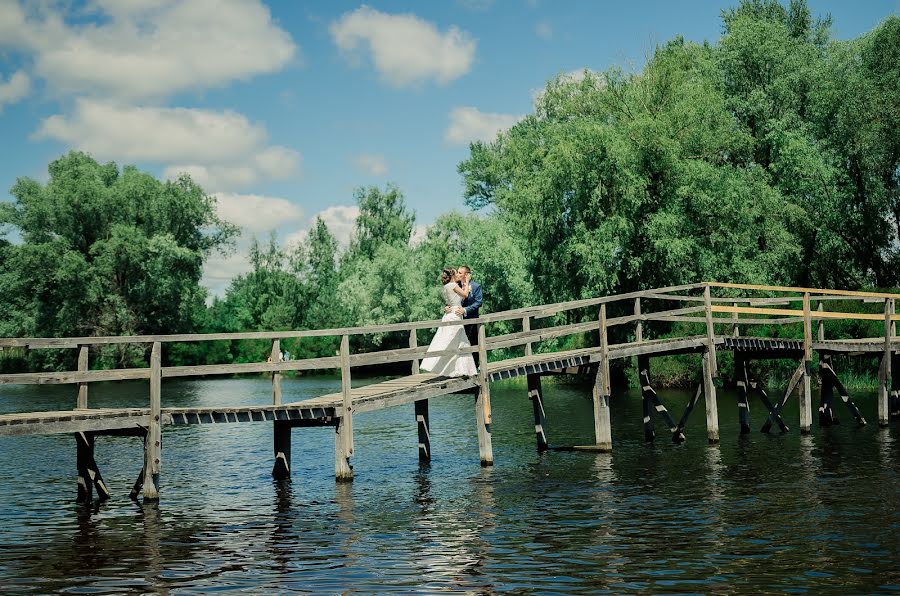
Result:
456,288
471,305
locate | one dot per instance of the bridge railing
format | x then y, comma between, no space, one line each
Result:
706,310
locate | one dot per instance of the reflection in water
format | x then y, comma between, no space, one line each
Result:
756,513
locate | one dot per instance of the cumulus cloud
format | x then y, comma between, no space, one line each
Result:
371,164
149,49
405,49
418,234
340,220
16,88
220,150
257,213
468,124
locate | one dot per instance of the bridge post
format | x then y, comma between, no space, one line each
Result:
282,467
805,388
153,443
600,392
709,394
88,472
82,387
421,408
742,381
483,403
343,448
276,376
537,403
884,377
639,324
526,327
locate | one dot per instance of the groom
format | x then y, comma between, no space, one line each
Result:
470,307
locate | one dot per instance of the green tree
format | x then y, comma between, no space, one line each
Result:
108,252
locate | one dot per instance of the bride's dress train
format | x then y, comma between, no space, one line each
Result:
451,338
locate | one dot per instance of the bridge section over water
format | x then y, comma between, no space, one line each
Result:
707,318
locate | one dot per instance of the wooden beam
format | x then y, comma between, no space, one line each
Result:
483,381
276,376
884,377
483,426
710,335
806,386
639,324
82,402
526,329
709,393
413,344
346,396
343,470
802,290
537,404
282,448
153,445
424,430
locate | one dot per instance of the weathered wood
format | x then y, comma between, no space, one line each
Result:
413,344
88,472
826,406
799,373
710,337
827,369
343,470
678,434
604,351
600,399
346,396
884,385
809,290
709,393
282,448
484,385
652,403
483,425
735,331
639,324
82,402
849,316
805,387
821,323
526,329
423,427
276,376
742,382
757,388
535,394
153,446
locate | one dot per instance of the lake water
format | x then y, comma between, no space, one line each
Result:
756,514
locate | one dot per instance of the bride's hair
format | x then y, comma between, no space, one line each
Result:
447,275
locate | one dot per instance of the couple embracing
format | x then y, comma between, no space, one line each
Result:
462,300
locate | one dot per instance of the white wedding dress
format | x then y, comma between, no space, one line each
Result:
451,337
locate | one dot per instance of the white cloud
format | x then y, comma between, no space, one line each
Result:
218,271
469,124
371,164
340,220
257,213
149,49
16,88
405,49
220,150
544,30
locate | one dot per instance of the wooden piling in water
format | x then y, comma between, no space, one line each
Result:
806,385
423,429
709,394
535,394
884,377
88,472
343,445
153,444
742,382
421,409
483,403
276,376
282,448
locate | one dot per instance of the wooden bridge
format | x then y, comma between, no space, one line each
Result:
707,319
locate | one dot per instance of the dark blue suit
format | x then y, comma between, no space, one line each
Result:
472,305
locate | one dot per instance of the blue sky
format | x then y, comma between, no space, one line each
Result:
282,108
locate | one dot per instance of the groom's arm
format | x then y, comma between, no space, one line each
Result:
477,299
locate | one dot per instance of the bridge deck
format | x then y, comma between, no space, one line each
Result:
323,410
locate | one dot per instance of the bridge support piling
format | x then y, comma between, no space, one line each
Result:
826,405
709,394
483,424
343,471
88,473
153,443
742,382
806,400
423,425
535,394
895,388
600,397
282,448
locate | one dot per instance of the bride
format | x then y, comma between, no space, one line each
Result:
451,337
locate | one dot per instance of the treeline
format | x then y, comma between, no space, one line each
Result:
771,157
